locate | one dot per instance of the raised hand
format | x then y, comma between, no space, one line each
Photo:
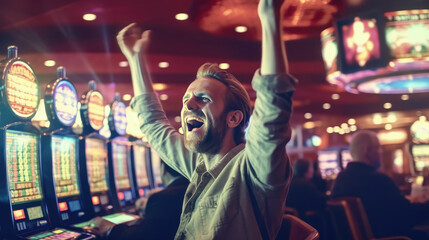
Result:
132,41
266,8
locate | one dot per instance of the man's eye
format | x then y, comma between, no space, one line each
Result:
204,99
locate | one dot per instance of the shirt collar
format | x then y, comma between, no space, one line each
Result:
218,167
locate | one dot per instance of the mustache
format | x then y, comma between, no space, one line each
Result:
193,113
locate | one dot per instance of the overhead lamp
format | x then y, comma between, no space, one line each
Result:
380,52
89,17
50,63
241,29
182,16
224,66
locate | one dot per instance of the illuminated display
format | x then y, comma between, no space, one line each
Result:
65,100
22,158
96,110
64,157
156,167
346,157
22,89
34,212
96,163
421,156
361,42
120,118
328,164
420,131
120,164
329,50
140,166
407,33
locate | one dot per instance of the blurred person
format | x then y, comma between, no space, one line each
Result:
320,183
303,194
161,212
237,188
389,212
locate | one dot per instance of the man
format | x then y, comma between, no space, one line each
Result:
389,213
236,190
161,216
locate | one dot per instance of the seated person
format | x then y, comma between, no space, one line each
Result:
303,194
389,213
161,216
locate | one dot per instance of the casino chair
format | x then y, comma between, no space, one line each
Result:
293,228
350,220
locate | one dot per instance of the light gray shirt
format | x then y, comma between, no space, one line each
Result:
217,203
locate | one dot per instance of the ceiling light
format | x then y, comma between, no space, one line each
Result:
309,125
351,121
126,97
335,96
50,63
163,64
326,106
182,16
353,128
159,86
89,17
308,115
405,97
387,105
388,126
377,119
177,119
344,126
330,130
163,97
123,64
224,66
241,29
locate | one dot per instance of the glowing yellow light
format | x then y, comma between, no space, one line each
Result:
330,130
126,97
181,130
308,115
163,97
89,17
309,125
163,64
405,97
182,16
159,86
377,119
326,106
351,121
388,126
177,119
335,96
422,118
344,126
50,63
387,105
224,66
353,128
123,64
241,29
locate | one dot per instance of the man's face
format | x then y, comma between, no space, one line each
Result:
203,115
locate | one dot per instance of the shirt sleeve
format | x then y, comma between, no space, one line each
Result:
162,136
269,131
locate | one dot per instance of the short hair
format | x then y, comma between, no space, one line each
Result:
238,99
300,167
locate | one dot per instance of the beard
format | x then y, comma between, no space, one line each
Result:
211,141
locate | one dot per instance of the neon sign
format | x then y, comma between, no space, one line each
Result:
22,89
65,101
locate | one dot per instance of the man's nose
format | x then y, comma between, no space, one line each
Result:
191,104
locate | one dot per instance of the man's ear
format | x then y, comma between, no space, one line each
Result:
234,118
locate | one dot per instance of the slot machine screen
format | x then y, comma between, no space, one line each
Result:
140,166
421,156
120,165
156,168
346,157
64,152
22,158
96,162
328,164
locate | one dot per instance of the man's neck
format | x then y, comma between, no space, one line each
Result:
210,160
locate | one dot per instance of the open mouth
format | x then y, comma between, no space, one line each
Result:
194,123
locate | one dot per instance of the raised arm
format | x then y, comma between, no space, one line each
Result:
273,51
133,44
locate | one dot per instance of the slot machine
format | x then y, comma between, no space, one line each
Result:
60,155
140,162
22,202
94,161
155,169
119,157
